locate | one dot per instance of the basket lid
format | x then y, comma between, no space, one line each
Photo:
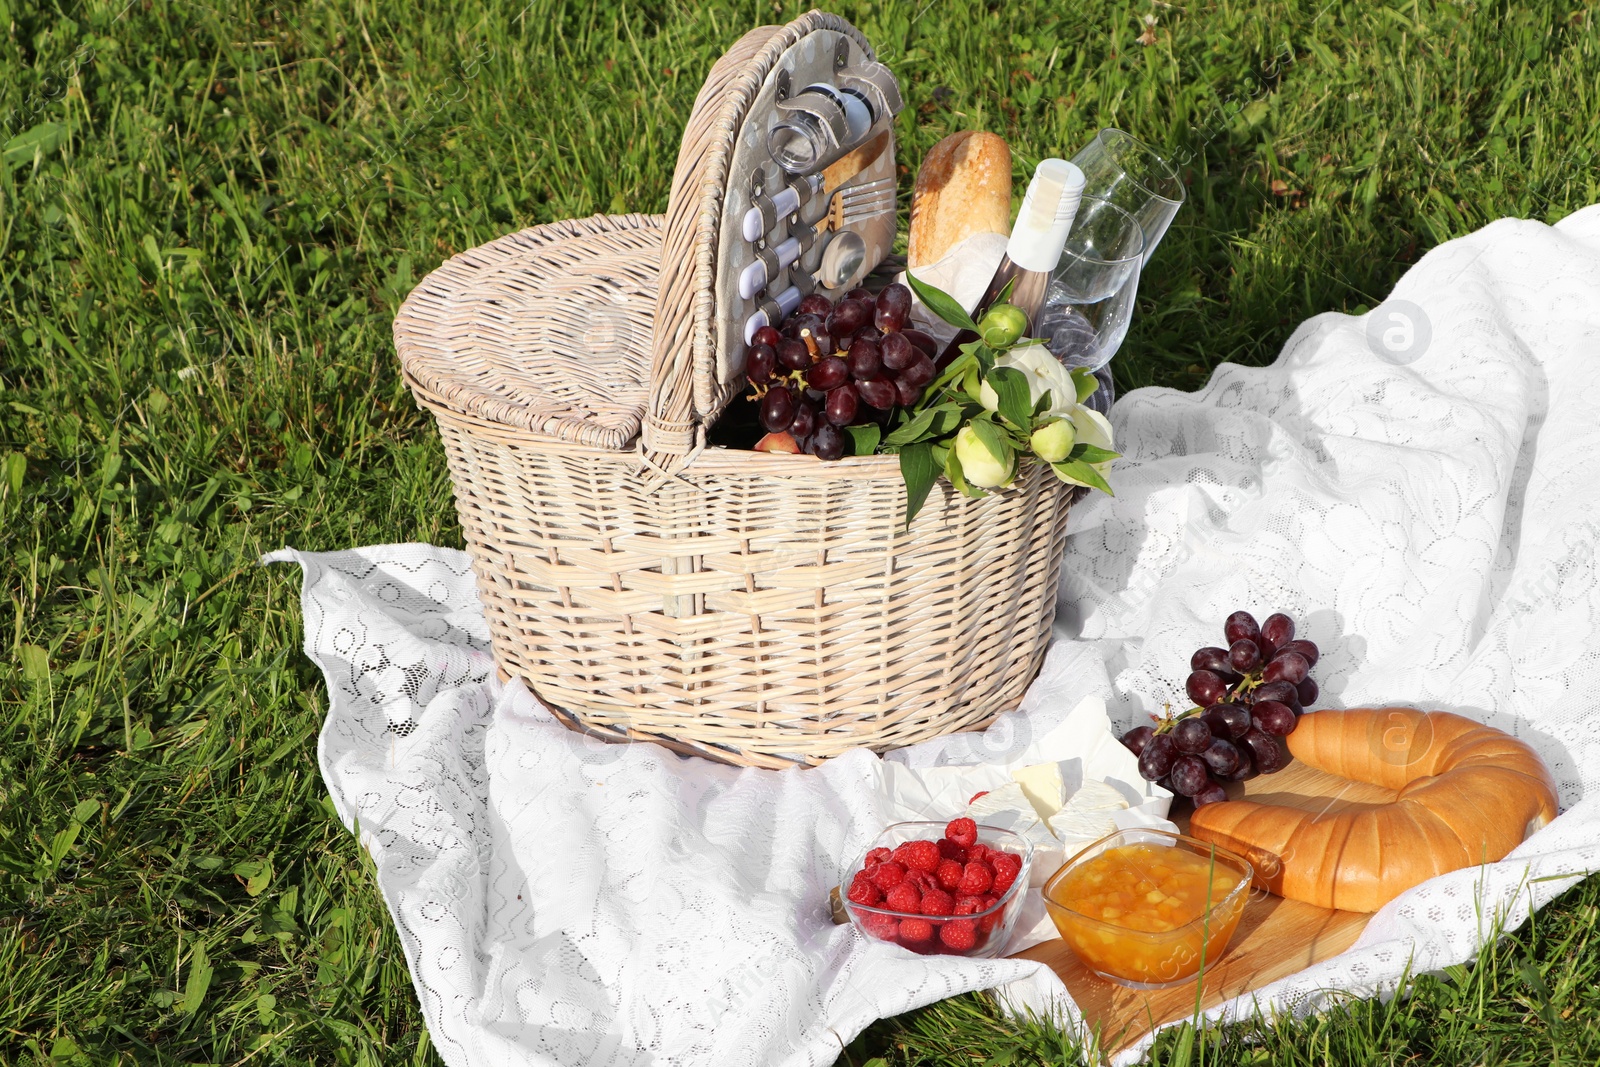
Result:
693,373
545,330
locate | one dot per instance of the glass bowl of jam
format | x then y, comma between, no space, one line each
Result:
1148,909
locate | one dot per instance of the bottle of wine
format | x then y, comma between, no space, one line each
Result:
1035,246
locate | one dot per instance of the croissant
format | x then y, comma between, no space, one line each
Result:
1467,794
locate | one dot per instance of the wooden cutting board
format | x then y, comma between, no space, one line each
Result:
1275,938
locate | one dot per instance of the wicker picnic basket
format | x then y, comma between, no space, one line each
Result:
769,610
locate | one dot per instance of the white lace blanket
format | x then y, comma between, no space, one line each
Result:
1420,491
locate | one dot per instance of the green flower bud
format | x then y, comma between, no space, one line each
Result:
1052,441
1001,325
979,466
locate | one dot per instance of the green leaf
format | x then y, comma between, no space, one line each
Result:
972,384
992,436
35,663
15,467
958,478
913,430
1086,382
1092,454
1011,386
256,875
41,140
942,304
919,472
153,252
1080,473
982,353
279,922
1045,402
1005,291
62,843
85,810
946,418
864,439
200,971
954,372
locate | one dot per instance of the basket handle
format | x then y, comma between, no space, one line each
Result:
685,395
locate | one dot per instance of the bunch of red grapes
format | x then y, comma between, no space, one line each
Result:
1249,695
830,365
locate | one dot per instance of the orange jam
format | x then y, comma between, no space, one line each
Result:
1139,912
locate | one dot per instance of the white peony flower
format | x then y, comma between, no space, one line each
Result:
1044,372
1093,429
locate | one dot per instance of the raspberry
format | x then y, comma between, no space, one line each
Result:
963,832
979,852
877,856
999,858
949,874
976,877
862,891
937,902
921,855
904,897
968,905
989,921
952,851
1004,876
959,934
887,875
915,930
881,926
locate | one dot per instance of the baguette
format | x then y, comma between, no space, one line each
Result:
963,188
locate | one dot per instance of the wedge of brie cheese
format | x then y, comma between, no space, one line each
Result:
1042,785
1035,806
1007,808
1087,815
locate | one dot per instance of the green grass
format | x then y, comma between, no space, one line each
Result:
208,215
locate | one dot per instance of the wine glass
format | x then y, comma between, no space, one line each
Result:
1089,301
1087,333
1104,246
1124,170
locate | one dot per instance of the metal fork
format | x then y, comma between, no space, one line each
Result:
852,204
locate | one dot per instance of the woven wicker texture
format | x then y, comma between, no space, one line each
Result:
760,609
542,329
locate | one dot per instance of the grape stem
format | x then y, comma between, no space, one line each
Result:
1165,723
1244,686
1248,684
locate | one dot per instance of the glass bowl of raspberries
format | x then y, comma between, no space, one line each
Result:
953,888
